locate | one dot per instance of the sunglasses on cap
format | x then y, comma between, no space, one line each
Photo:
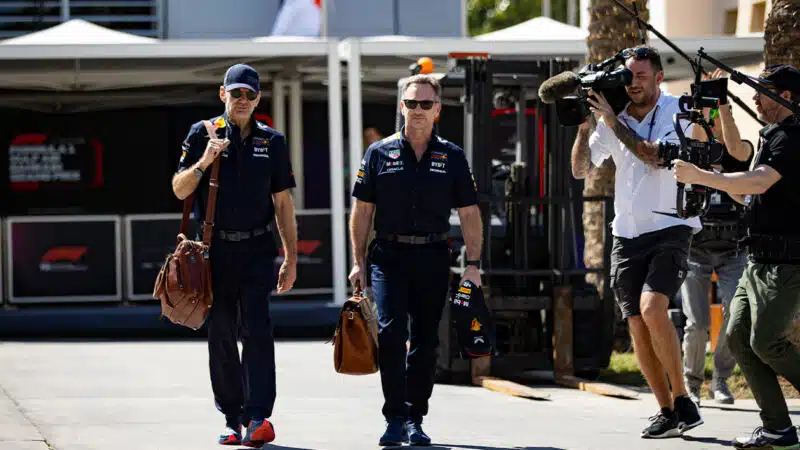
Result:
236,93
424,104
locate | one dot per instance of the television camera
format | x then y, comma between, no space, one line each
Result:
603,77
572,110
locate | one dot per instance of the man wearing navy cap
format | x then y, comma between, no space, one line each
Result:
768,295
254,181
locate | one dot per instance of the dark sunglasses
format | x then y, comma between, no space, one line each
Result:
236,93
424,104
637,52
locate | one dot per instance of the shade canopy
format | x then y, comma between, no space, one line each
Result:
538,28
78,31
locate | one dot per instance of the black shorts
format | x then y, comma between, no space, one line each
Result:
655,262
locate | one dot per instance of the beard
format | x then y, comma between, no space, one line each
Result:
642,98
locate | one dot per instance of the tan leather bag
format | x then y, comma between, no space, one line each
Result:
184,282
355,341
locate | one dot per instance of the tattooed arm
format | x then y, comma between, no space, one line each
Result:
581,159
644,150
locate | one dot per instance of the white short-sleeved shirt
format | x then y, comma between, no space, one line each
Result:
639,189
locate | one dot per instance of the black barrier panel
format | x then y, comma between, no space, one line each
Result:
314,254
64,259
150,238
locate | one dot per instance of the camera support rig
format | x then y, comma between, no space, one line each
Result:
739,78
548,319
695,200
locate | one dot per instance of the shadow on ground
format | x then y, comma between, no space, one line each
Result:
479,447
708,440
753,409
281,447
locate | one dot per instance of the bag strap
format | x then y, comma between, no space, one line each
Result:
208,224
187,206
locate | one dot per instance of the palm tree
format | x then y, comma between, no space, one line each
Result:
782,33
610,29
782,46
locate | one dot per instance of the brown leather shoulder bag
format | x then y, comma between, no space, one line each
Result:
355,341
184,282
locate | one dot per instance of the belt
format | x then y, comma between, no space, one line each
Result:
721,224
772,249
411,238
235,236
727,231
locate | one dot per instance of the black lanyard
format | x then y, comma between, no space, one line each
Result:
652,123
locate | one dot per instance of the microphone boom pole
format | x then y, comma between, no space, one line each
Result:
649,27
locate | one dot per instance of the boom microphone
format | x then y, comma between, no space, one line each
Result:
558,87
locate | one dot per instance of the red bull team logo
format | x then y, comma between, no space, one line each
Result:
475,326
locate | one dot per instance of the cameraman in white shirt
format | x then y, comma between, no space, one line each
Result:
650,250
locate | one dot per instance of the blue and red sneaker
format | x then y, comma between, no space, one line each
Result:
231,436
258,433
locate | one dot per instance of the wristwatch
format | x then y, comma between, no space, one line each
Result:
473,262
198,172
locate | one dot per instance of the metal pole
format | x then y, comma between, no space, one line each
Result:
522,126
547,8
323,26
279,104
464,19
64,10
161,11
338,250
572,9
296,139
355,116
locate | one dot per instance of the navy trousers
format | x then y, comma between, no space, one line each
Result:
409,284
242,277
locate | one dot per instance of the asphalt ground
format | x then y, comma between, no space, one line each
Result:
141,395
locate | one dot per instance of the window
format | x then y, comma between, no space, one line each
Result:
139,17
131,16
759,10
731,17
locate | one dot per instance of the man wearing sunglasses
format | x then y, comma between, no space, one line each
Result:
649,255
254,181
409,182
768,295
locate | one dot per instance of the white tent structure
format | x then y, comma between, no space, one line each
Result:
78,31
79,56
79,66
536,28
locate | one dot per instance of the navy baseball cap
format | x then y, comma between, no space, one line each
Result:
782,77
241,76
